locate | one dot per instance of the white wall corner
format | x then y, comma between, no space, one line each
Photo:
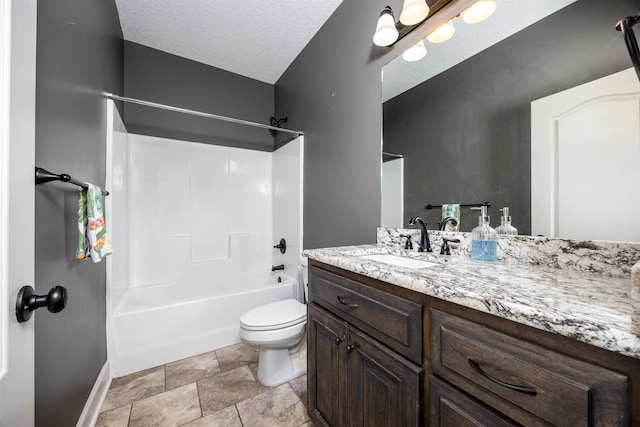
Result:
89,415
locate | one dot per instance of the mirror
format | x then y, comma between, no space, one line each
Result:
463,127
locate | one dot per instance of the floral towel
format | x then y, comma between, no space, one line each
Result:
93,241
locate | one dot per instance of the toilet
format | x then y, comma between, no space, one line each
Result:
279,330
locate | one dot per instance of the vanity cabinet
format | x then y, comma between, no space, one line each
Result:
355,379
383,355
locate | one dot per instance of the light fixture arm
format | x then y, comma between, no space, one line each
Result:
624,25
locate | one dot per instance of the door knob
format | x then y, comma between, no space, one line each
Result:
27,301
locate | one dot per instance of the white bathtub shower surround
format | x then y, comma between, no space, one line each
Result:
194,223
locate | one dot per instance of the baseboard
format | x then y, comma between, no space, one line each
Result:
99,391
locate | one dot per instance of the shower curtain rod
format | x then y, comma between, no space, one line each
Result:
201,114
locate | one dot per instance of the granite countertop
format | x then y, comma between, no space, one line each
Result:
592,308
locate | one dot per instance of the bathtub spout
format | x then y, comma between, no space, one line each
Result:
277,267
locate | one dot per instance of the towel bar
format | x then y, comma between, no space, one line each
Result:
487,204
43,176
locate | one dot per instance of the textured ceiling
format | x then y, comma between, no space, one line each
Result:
254,38
510,17
261,38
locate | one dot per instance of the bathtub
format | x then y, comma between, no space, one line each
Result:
158,324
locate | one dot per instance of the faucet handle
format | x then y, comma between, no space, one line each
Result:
445,250
408,244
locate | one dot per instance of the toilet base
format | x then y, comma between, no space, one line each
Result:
279,365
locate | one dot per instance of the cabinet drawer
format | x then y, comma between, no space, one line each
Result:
392,320
558,389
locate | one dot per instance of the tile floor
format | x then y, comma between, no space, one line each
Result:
219,388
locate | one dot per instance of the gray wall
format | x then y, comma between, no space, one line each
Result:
332,92
79,55
466,133
156,76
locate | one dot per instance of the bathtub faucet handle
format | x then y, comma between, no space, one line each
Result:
282,246
277,267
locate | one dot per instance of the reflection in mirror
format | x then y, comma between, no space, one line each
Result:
585,156
392,190
465,133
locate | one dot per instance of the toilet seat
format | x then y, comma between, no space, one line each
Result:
275,315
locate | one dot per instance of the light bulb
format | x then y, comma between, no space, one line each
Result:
443,33
386,31
413,12
415,52
479,11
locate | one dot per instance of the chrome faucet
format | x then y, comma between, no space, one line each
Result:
425,244
444,222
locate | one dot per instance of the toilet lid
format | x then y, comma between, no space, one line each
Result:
275,315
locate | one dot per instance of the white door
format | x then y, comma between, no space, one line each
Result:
585,161
17,135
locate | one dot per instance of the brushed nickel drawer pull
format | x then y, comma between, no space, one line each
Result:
340,300
521,389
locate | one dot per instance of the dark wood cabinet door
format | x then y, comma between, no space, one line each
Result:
326,367
384,389
449,407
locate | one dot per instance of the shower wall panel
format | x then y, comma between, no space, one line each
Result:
287,200
195,211
159,233
209,183
117,221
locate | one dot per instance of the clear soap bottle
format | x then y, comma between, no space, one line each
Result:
505,224
483,238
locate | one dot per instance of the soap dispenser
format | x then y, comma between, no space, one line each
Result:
505,224
483,238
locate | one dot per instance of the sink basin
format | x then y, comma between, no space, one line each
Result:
400,261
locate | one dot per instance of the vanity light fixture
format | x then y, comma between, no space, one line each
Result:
413,12
386,32
479,11
443,33
415,52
